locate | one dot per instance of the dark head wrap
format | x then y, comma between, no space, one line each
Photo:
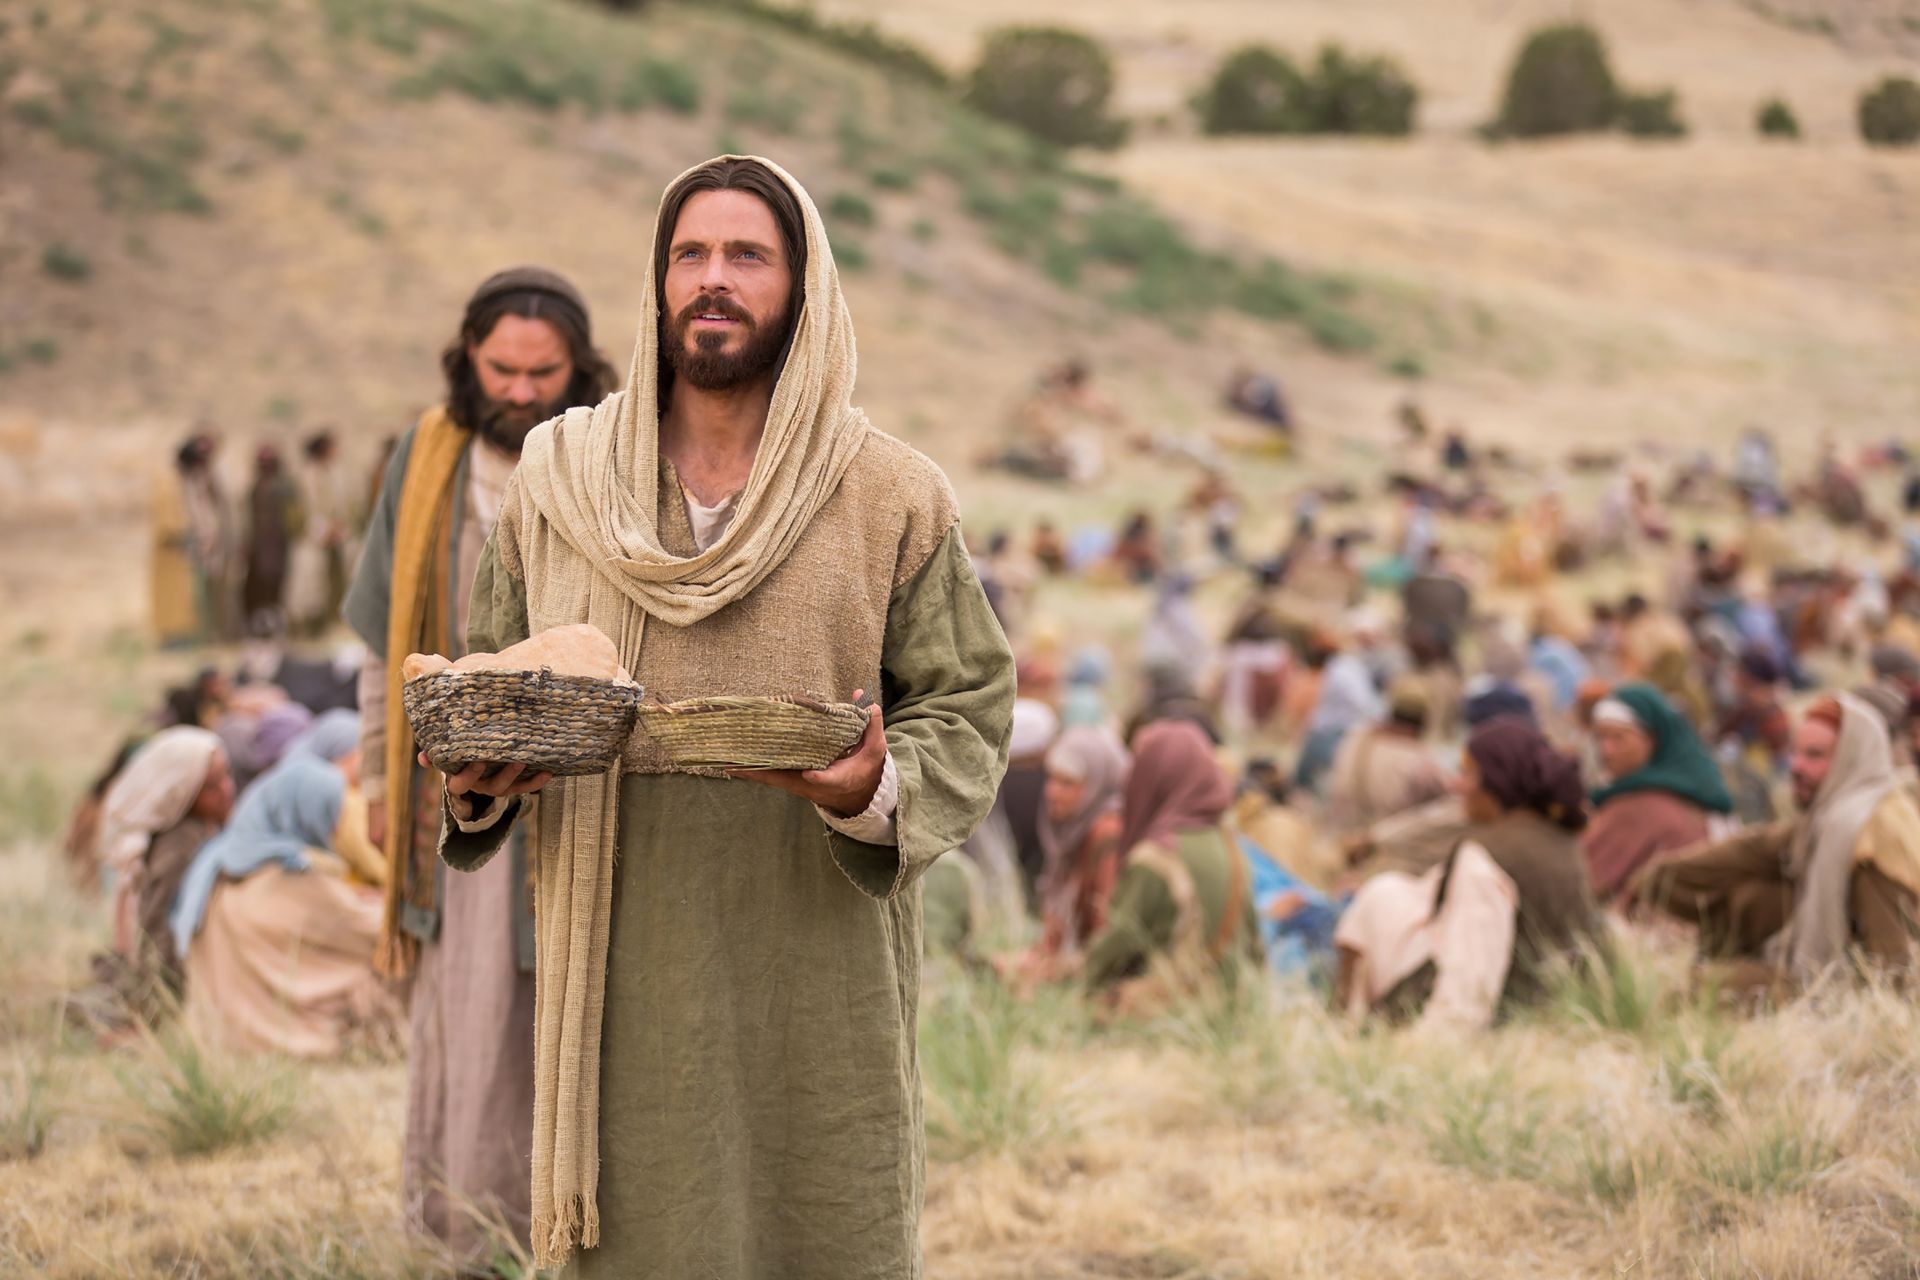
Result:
530,280
1520,769
1679,764
1498,701
1892,663
1175,785
1759,665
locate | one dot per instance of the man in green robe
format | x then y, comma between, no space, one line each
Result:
729,966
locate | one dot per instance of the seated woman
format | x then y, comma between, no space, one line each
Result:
1838,881
1080,836
1476,935
278,939
1182,910
171,798
1665,788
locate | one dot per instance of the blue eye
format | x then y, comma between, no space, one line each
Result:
748,253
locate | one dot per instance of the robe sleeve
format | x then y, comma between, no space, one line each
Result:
1693,881
1140,921
496,618
1884,914
947,698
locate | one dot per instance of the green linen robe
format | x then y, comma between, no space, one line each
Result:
1143,914
760,1093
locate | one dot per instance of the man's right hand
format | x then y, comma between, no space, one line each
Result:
493,780
377,823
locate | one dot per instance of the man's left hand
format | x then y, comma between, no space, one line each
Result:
844,788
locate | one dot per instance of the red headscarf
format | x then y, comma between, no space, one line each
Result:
1176,785
1520,769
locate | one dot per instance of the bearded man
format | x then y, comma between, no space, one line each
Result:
1840,880
725,1061
524,352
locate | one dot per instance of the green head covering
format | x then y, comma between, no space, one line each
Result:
1679,764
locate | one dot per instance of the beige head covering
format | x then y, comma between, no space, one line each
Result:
582,517
152,794
1820,858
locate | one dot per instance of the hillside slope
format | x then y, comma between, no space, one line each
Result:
1675,292
266,214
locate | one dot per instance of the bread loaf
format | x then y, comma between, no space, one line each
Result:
578,650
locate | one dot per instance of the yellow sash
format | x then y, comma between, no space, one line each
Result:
416,623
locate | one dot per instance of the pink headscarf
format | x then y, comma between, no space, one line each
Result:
1176,785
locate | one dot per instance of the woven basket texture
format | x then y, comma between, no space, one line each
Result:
754,733
565,725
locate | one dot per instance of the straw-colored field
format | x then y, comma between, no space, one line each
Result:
1626,1132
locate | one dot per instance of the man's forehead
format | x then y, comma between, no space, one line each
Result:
1817,731
725,215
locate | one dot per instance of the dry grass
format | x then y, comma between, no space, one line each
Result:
1251,1137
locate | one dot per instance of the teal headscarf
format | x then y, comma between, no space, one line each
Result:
1679,764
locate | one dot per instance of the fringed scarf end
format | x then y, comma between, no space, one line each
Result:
558,1236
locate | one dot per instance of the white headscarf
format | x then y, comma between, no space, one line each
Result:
1820,856
153,794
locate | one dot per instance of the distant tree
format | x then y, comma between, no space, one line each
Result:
1052,82
1259,90
1369,95
624,6
1560,83
1890,112
1255,90
1775,119
1652,114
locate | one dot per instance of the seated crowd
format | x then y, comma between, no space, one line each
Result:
1333,791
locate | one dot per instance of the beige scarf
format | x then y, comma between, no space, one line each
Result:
1820,857
580,518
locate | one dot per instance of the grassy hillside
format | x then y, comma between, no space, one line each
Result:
267,213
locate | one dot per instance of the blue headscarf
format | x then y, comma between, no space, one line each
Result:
289,809
333,735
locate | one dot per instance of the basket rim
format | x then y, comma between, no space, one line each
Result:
721,703
545,675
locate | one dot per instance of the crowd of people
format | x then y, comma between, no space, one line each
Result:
1435,781
272,564
1407,773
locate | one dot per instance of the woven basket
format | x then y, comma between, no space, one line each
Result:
565,725
753,733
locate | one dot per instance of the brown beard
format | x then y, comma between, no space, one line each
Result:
709,368
506,425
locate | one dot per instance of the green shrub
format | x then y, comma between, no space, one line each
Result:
1610,989
26,1109
1560,83
1652,114
849,255
1051,82
654,82
1360,95
64,262
851,209
1775,119
1255,90
894,177
1890,112
982,1090
195,1103
41,350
